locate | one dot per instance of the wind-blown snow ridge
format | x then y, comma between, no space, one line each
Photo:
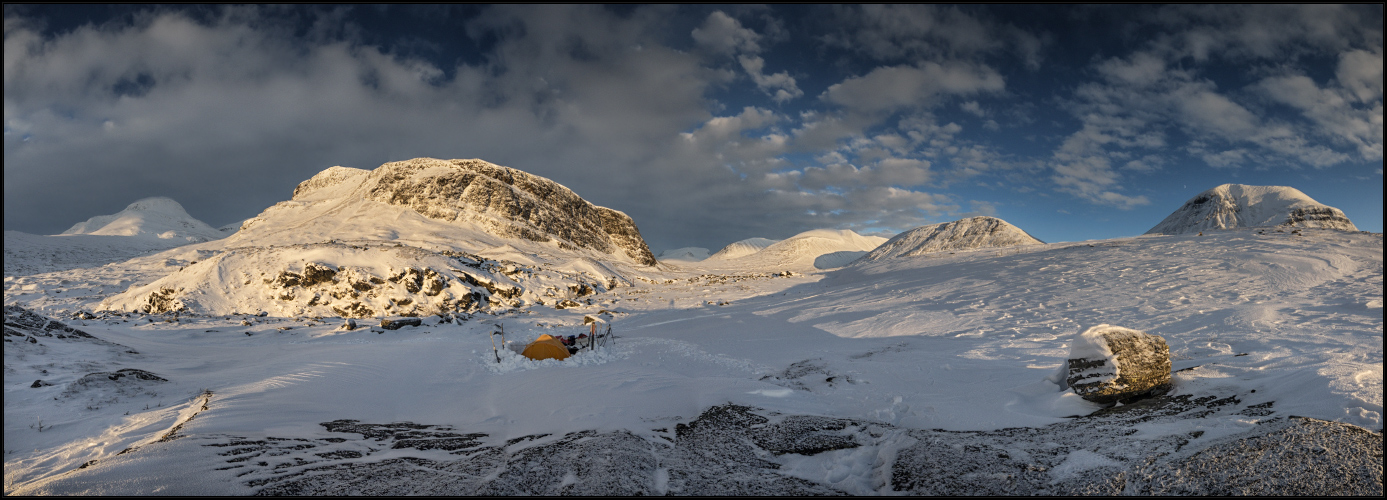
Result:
154,217
1237,205
965,234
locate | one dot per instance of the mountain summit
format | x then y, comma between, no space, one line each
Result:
1237,205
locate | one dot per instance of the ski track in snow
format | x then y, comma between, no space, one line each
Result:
959,342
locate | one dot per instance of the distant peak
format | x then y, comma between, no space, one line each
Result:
157,216
964,234
1229,206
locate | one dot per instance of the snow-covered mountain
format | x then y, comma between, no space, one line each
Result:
742,248
965,234
807,251
157,217
469,205
1237,205
146,226
418,237
686,254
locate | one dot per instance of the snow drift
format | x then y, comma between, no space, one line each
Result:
966,234
1237,205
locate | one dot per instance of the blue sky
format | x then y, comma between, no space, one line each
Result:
706,124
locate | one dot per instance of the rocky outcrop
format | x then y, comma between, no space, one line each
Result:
1110,364
506,202
1236,205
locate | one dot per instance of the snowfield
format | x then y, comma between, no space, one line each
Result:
932,374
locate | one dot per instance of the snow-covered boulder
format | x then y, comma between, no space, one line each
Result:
1110,364
1237,205
966,234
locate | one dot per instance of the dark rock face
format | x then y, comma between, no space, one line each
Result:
1138,367
507,202
1318,217
398,323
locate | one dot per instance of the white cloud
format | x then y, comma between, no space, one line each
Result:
893,87
723,34
1360,72
933,32
972,107
780,86
1140,69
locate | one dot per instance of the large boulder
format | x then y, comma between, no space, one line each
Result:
1110,364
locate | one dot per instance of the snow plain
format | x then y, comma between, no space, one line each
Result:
1289,320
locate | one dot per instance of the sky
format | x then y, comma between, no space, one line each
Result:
705,124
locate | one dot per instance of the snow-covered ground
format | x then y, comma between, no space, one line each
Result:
843,380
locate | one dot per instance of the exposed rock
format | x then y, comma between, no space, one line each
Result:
39,383
163,301
565,304
1110,364
21,322
397,323
506,202
349,325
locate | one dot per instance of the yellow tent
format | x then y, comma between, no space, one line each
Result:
546,347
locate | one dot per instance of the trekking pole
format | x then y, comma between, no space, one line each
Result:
493,342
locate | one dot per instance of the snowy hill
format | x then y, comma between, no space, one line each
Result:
419,237
966,234
1237,205
145,227
742,248
156,217
686,254
807,251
